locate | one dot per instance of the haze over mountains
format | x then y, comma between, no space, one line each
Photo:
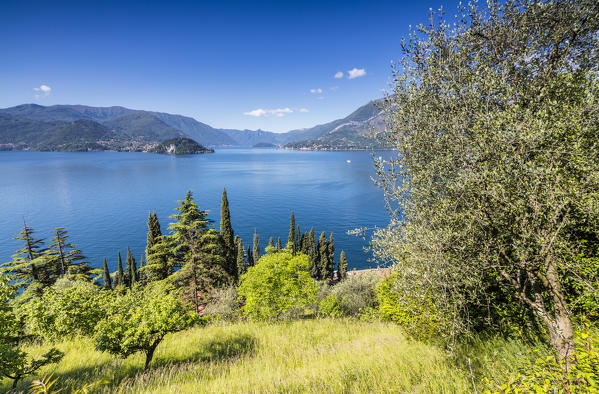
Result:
83,128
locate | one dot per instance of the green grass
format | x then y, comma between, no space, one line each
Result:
319,356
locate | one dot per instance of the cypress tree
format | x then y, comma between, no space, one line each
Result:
250,261
241,267
226,232
107,280
130,276
331,258
313,254
141,272
323,255
154,233
298,236
271,245
119,279
342,268
291,237
256,248
279,247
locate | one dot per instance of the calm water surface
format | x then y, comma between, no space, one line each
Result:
103,198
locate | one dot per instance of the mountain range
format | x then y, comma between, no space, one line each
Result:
84,128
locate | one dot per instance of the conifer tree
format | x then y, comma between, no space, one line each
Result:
279,246
141,272
331,258
130,274
154,233
63,258
271,243
256,248
161,260
250,259
119,279
241,267
298,236
28,264
107,280
342,268
313,254
323,255
226,232
291,237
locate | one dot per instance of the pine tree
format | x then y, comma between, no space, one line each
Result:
331,258
241,267
226,232
107,280
119,279
141,273
291,237
323,256
29,263
279,246
154,233
250,258
256,248
63,258
342,268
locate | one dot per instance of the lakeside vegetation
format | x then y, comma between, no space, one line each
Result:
493,249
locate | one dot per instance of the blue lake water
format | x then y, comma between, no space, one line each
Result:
103,198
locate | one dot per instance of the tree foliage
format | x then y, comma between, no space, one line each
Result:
495,122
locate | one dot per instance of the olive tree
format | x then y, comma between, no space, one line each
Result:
495,119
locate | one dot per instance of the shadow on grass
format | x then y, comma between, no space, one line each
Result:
219,349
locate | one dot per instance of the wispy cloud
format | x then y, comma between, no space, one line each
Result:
304,110
355,73
260,113
339,74
318,90
44,90
334,88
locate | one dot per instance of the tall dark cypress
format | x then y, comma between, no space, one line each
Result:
271,244
227,234
256,248
342,268
298,236
331,258
130,269
241,267
291,238
119,279
154,233
107,280
313,254
323,255
279,244
141,273
250,261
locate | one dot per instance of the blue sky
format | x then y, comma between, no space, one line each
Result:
258,64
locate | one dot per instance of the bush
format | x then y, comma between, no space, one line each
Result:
356,294
417,316
278,286
330,306
577,372
65,309
224,305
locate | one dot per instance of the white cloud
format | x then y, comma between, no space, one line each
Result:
355,73
318,90
43,88
304,110
279,112
334,88
339,74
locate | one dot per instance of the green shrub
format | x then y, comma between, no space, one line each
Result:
417,316
356,294
330,306
224,305
278,286
574,373
67,308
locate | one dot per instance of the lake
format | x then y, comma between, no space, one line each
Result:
103,198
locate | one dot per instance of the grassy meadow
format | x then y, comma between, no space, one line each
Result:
320,356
